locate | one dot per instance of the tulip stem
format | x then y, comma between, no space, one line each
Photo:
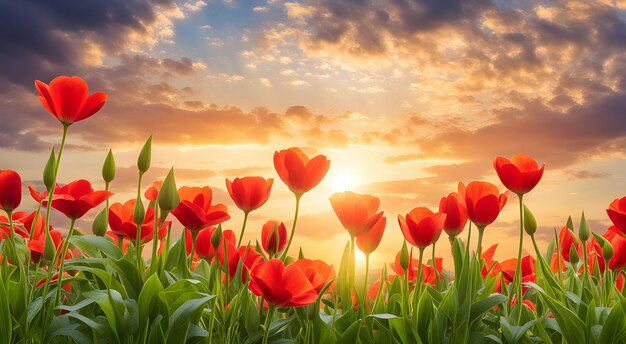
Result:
155,237
293,227
12,245
194,235
351,266
243,227
365,285
66,244
479,249
518,268
585,264
418,285
138,237
268,321
559,256
435,266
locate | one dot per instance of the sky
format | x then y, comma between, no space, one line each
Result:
405,97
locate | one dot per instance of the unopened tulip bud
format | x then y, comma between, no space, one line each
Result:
300,254
100,223
216,237
140,212
573,255
108,168
530,224
145,156
168,194
404,257
583,230
49,249
607,251
570,223
49,171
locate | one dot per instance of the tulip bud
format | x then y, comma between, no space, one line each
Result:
100,225
404,257
168,194
583,229
143,162
108,168
216,237
570,223
49,249
140,212
300,254
49,172
530,224
607,251
573,255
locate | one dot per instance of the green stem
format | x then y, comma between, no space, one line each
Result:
66,244
479,249
418,285
243,227
268,321
367,273
12,245
194,235
559,256
585,264
155,237
351,266
138,245
293,227
518,268
435,266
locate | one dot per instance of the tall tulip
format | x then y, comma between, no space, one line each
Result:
123,225
68,100
10,198
195,210
300,174
368,242
249,193
520,175
455,209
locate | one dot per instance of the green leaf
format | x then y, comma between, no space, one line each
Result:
351,334
91,245
613,329
6,329
188,312
149,297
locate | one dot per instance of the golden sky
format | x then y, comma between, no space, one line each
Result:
406,98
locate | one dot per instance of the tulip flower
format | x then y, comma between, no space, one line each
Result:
152,193
249,193
369,241
67,99
617,214
300,174
204,247
11,190
520,174
37,244
317,271
273,237
357,213
74,199
617,240
421,227
483,202
19,219
195,210
248,256
123,225
456,212
280,285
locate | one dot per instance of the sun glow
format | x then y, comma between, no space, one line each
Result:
342,182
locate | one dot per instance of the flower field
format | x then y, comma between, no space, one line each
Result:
61,285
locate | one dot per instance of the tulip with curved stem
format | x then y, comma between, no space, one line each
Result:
293,228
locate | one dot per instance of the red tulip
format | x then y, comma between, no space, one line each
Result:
520,174
280,285
116,240
618,261
248,256
298,172
249,193
456,212
317,271
10,190
195,211
369,241
21,219
567,240
492,267
74,199
617,213
38,243
528,270
226,246
357,213
122,222
204,247
483,202
421,227
67,99
273,237
152,192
